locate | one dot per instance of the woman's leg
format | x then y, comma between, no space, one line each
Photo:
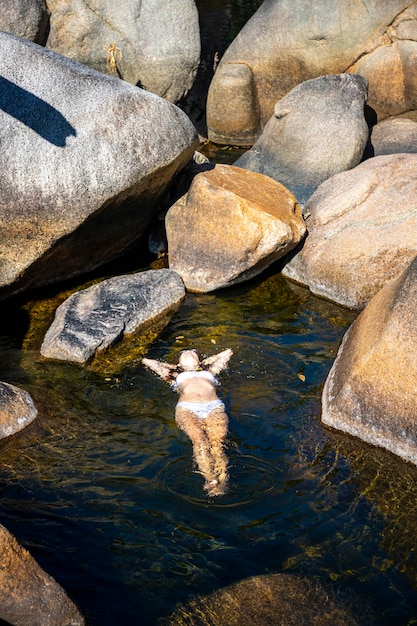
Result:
216,426
192,426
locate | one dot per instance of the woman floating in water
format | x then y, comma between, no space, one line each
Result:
199,411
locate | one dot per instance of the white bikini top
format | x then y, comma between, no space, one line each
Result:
183,376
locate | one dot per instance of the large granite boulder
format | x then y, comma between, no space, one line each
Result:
393,136
362,231
93,319
231,225
272,600
85,158
316,131
303,40
28,595
25,18
17,409
370,390
150,43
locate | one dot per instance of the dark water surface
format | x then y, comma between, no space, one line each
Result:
101,488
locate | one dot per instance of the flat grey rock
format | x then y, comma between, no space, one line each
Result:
94,318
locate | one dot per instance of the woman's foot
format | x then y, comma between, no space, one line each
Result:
214,488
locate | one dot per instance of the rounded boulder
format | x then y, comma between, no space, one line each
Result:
316,131
362,231
370,390
232,224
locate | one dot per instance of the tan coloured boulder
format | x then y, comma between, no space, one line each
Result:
301,40
371,389
17,409
362,231
390,68
28,595
270,600
232,224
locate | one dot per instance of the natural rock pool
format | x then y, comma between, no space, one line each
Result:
101,487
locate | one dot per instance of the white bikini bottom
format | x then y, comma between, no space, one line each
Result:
201,409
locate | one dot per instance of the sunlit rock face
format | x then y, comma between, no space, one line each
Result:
25,18
370,390
154,44
28,595
231,225
316,131
17,409
362,231
288,42
85,158
93,319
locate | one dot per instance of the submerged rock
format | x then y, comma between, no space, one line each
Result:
370,390
28,595
317,130
150,43
362,231
85,158
303,40
94,318
231,225
17,410
268,601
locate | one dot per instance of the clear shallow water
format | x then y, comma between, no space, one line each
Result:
102,489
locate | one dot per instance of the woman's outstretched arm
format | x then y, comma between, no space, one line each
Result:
218,362
166,371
